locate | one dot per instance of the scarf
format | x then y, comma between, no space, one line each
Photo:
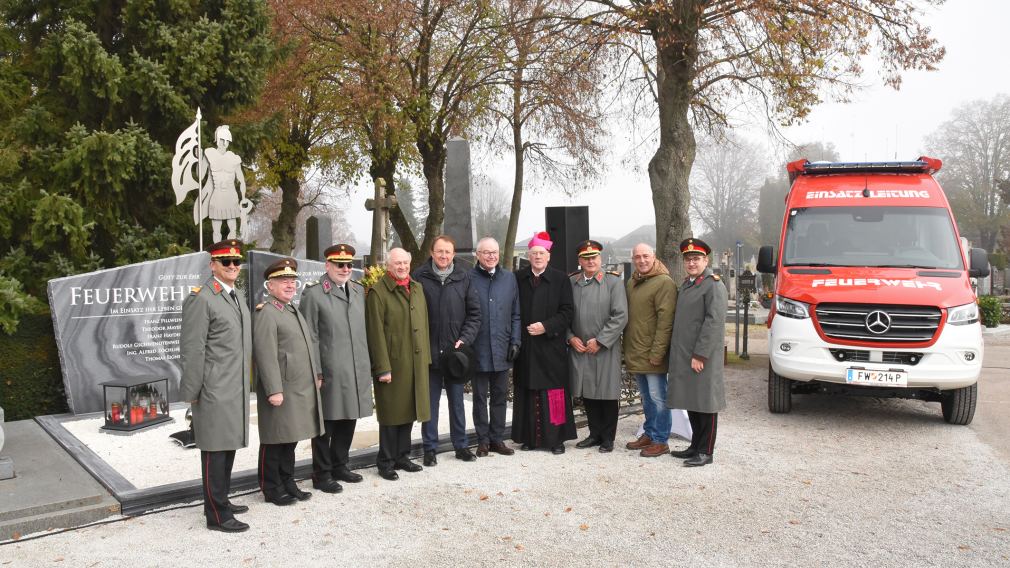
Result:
442,274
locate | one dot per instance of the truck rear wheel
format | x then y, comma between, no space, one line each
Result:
780,392
958,405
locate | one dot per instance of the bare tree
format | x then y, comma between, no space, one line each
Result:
703,56
490,204
975,148
725,183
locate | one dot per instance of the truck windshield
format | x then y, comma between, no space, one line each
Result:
913,237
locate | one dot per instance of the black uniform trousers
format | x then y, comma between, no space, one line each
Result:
498,384
330,451
277,469
602,417
703,428
215,468
394,445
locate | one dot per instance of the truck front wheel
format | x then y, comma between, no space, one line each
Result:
958,405
780,392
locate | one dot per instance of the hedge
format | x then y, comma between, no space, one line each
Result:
30,381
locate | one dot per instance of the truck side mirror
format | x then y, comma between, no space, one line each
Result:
979,263
766,260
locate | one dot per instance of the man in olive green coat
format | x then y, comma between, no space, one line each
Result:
696,352
335,311
396,319
287,397
652,300
216,355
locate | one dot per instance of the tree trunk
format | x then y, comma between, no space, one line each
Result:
670,167
283,227
431,146
509,246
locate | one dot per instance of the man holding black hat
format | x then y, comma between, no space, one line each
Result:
696,351
287,397
335,311
453,321
601,312
216,355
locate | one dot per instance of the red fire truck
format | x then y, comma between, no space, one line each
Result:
873,291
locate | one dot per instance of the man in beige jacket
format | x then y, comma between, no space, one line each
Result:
652,299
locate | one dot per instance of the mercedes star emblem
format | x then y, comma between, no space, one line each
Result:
878,322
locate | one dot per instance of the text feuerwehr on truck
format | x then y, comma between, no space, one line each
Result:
873,291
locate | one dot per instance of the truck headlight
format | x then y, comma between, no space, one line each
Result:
963,315
791,308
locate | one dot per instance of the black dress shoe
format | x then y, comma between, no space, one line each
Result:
606,447
347,476
408,466
558,449
430,459
684,454
526,447
231,526
501,448
465,454
700,459
282,499
238,509
389,474
327,486
482,450
588,443
299,494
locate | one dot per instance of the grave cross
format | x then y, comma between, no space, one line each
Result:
380,206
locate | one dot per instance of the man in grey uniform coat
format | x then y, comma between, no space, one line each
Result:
696,351
287,398
601,312
335,311
216,355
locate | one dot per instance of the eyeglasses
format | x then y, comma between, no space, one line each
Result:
341,264
230,261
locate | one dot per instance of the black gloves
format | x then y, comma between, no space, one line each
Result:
513,353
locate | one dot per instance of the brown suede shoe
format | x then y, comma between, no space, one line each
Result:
642,442
655,450
481,451
501,448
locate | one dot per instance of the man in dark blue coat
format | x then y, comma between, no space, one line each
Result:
497,346
453,321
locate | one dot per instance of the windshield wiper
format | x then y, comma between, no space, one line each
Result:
811,264
904,266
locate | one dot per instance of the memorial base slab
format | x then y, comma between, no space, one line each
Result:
6,468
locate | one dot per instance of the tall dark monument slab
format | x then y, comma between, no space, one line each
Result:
318,236
458,222
567,226
121,323
308,271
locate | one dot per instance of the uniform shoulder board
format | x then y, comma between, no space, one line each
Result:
260,305
570,274
358,282
311,284
716,277
614,273
194,290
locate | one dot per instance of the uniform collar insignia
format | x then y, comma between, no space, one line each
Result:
326,285
278,305
217,286
599,276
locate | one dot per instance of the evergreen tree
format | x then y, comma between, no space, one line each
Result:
93,94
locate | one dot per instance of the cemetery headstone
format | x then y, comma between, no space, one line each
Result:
458,211
120,323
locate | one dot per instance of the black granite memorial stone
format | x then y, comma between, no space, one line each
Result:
122,323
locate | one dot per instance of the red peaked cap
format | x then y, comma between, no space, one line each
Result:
541,239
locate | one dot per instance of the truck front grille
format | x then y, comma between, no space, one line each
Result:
880,324
863,356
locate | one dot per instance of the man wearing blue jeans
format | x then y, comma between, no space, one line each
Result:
652,299
453,321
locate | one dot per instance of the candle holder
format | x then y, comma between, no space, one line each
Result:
132,404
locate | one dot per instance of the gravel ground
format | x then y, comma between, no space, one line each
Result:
840,481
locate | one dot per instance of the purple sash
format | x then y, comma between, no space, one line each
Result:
556,406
